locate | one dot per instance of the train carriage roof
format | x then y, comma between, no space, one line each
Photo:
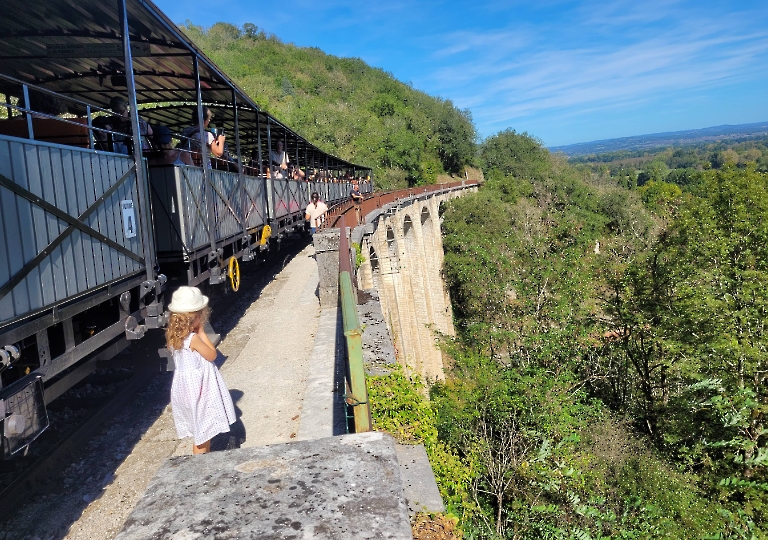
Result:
74,48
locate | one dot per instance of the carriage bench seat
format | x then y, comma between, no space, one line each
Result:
49,130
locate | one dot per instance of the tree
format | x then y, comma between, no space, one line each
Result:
456,134
516,154
655,170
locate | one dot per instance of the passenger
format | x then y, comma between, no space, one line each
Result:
315,212
279,159
297,174
357,199
166,154
202,406
120,122
193,143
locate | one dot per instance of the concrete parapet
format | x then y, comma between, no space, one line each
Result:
327,255
419,487
337,487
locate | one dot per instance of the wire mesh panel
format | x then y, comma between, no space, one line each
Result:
23,413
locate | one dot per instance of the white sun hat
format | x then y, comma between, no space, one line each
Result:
187,300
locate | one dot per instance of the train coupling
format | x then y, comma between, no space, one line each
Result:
8,355
134,330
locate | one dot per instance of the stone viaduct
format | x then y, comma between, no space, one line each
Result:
403,251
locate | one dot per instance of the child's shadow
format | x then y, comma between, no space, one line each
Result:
236,435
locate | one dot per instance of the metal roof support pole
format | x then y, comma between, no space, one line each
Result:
28,112
90,126
260,162
271,179
141,177
154,316
213,256
297,154
247,255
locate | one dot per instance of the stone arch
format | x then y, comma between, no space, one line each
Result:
391,243
407,226
425,215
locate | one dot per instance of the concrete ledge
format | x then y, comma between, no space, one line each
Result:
322,414
419,486
338,487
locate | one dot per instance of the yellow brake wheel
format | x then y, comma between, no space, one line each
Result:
234,273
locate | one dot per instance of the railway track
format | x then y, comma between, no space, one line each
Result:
52,465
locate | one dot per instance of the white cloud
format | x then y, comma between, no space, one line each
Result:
652,49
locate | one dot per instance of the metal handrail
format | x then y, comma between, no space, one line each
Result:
357,394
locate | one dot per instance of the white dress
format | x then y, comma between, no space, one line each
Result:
202,406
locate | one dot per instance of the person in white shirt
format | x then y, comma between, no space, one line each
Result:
315,212
279,159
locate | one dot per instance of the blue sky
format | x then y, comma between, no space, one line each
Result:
564,71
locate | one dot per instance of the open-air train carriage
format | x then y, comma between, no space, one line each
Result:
88,230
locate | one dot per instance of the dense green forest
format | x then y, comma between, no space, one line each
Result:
607,378
344,106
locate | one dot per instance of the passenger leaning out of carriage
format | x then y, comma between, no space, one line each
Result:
120,122
278,158
167,154
193,143
315,212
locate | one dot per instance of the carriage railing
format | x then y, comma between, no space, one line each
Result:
66,120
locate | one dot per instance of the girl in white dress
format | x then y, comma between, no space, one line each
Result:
202,406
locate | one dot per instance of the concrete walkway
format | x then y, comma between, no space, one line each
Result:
269,374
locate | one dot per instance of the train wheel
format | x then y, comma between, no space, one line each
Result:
234,273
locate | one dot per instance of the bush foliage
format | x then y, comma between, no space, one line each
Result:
607,377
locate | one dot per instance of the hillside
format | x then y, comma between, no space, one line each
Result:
673,138
344,106
607,375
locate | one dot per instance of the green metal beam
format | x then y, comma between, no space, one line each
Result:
354,338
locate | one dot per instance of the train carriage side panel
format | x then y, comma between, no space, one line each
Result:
65,266
224,191
256,204
294,196
194,206
303,192
41,177
165,206
75,260
281,197
64,179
